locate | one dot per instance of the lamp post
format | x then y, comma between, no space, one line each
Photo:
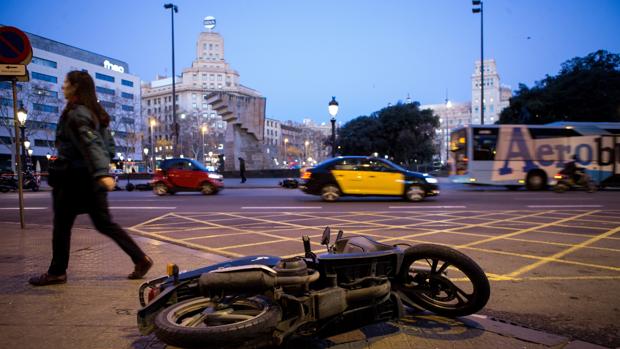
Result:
204,130
285,150
146,158
445,135
306,144
332,107
22,116
480,10
173,9
152,124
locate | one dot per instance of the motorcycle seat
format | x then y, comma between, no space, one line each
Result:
357,244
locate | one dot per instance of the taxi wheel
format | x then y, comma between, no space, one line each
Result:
160,189
207,189
330,193
414,193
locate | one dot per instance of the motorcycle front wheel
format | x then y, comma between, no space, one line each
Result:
442,280
200,322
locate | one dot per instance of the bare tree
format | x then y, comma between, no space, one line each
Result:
43,105
192,134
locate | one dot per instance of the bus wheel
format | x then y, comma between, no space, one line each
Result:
536,180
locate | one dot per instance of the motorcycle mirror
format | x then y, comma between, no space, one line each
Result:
325,238
340,234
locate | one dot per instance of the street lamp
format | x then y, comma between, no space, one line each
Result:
332,107
479,10
306,144
146,157
285,150
173,9
445,136
152,124
204,130
22,116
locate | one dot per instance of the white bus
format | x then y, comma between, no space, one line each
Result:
530,155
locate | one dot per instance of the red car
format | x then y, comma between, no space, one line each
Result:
176,175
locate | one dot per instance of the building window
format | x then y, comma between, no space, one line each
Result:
6,102
43,143
127,83
108,105
44,62
104,77
45,108
127,95
44,92
44,77
107,91
127,120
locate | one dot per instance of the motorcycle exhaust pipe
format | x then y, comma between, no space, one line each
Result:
249,280
366,293
254,280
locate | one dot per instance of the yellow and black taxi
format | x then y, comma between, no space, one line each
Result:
362,175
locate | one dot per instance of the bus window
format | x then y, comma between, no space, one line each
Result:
485,142
458,146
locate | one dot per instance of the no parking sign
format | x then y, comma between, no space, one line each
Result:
15,52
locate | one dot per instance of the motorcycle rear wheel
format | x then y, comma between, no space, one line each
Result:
425,283
200,322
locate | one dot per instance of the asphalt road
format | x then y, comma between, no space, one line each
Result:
553,259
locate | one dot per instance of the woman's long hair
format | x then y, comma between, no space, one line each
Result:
84,94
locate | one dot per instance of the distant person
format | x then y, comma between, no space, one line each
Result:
572,170
82,180
242,169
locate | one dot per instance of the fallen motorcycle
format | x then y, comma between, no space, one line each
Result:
265,300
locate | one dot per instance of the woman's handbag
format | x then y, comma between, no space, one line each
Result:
57,172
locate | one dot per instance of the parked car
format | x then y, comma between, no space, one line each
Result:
362,175
181,174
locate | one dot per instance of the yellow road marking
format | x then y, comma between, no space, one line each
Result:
518,232
561,254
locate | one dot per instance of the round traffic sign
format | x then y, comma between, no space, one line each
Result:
14,46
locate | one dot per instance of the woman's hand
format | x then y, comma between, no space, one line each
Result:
107,182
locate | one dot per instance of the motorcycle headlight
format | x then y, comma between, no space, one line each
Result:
431,180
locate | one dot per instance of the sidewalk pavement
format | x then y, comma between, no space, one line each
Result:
96,308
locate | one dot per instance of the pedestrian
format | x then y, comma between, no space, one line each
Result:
242,169
80,179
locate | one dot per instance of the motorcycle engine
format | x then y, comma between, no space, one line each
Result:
295,266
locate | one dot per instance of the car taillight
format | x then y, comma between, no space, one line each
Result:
558,176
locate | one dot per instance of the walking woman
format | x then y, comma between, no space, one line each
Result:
81,180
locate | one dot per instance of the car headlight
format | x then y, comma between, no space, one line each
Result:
215,176
431,180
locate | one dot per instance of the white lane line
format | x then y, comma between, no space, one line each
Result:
25,208
280,207
142,207
413,207
565,206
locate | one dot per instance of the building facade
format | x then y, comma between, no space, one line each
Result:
496,96
209,73
118,92
451,115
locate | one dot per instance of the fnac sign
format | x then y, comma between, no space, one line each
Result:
15,47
